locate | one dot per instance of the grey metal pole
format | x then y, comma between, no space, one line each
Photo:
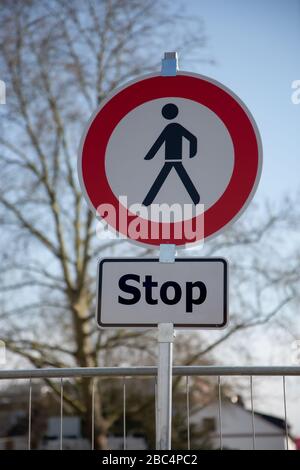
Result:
164,372
164,386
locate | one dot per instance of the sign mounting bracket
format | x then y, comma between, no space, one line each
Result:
169,64
167,253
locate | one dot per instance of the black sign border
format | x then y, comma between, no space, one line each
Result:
155,325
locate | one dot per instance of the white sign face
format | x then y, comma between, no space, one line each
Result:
144,125
190,293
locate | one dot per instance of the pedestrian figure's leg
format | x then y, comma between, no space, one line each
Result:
157,184
187,182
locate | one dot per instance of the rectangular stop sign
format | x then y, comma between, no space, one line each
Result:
190,292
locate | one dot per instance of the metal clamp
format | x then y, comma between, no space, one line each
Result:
167,253
169,64
166,333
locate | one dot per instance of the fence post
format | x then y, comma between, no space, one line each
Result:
164,386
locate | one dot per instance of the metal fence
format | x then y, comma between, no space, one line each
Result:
127,372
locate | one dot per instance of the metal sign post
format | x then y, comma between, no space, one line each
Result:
165,330
165,339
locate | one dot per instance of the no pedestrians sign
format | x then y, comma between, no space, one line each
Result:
183,145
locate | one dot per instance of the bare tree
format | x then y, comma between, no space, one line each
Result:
59,60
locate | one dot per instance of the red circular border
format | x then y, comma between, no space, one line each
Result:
225,106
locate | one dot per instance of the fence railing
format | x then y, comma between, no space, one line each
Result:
148,371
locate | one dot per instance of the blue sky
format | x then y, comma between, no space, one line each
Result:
257,49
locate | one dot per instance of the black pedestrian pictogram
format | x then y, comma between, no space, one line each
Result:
172,137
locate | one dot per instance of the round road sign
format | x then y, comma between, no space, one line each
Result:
184,142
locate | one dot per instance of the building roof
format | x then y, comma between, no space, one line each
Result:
279,422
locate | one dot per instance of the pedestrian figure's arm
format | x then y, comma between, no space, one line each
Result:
155,147
192,140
